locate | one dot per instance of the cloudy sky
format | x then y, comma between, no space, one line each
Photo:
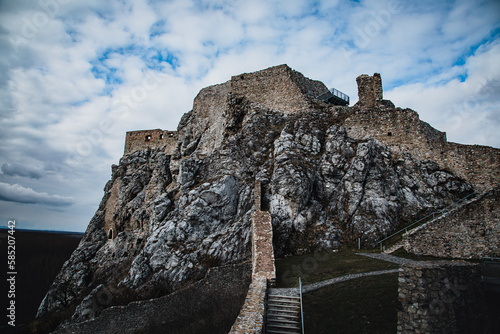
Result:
76,75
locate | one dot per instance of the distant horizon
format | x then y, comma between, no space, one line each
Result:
44,231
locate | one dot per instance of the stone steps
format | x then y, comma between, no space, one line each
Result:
393,248
283,314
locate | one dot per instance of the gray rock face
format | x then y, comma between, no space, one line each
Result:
177,216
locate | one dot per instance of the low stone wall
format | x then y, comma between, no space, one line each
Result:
471,231
251,317
209,305
441,297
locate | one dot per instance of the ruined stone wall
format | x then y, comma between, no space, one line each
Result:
111,204
277,88
480,165
403,131
204,127
251,317
135,140
441,297
307,86
472,231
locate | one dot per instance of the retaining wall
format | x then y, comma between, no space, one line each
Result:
441,297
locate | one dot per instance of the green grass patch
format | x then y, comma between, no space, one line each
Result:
319,266
364,305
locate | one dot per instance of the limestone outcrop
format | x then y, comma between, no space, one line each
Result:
328,177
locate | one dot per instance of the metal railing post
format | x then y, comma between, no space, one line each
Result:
301,307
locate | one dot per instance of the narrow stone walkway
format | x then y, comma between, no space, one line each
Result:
387,258
314,286
319,285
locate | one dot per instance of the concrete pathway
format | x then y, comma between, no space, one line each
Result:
319,285
314,286
387,257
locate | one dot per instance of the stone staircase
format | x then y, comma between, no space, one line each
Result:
393,248
283,314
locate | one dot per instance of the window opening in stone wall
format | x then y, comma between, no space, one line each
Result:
148,137
110,234
389,134
161,136
264,199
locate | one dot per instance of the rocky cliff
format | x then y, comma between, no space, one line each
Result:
328,176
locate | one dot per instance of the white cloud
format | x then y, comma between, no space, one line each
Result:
72,76
468,111
20,194
22,170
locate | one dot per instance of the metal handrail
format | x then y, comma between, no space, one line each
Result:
333,92
339,94
434,215
301,307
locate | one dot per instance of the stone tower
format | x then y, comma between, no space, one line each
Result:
370,90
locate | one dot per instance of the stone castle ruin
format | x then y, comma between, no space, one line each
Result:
272,163
284,90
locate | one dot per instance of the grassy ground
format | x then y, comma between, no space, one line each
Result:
325,265
364,305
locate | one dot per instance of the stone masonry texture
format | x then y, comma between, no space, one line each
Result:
135,140
441,297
